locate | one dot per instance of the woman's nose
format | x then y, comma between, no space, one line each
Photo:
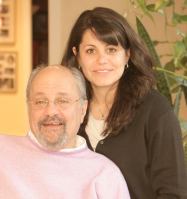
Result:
102,57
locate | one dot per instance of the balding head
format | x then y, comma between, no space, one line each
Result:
80,81
57,104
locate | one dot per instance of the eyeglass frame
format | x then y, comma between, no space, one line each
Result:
56,102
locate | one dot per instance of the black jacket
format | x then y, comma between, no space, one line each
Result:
149,151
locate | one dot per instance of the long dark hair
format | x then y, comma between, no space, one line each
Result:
136,81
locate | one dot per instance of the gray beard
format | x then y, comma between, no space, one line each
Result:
63,136
53,146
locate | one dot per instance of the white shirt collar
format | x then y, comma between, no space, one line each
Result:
80,143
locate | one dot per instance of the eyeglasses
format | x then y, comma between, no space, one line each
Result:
61,103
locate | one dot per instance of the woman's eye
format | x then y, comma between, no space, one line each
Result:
111,50
90,51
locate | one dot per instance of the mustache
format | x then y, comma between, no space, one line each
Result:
52,119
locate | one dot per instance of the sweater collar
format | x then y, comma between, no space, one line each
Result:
80,143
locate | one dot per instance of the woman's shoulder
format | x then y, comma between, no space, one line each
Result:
156,110
155,99
155,103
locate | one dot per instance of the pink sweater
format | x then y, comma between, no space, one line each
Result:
29,172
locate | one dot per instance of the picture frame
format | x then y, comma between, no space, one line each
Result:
8,70
7,21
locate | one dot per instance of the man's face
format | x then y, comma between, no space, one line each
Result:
55,108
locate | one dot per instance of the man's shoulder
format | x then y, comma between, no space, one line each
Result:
10,139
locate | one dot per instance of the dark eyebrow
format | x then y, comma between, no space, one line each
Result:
87,45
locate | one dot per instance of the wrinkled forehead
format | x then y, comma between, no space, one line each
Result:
53,81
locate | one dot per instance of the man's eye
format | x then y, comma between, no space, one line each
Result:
62,101
40,102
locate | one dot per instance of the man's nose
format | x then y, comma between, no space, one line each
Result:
51,108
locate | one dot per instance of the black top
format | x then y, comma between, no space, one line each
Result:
149,152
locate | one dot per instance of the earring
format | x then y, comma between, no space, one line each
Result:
79,67
126,66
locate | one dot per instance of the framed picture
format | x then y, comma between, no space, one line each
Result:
7,17
8,62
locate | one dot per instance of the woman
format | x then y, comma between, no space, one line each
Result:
127,120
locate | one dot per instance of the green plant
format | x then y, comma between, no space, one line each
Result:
172,74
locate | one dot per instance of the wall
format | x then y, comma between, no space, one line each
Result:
160,32
13,117
63,13
13,113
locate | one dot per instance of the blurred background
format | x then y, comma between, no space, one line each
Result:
36,31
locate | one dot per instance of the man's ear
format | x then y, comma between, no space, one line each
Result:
84,109
74,50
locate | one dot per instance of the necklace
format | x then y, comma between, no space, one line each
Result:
102,114
99,111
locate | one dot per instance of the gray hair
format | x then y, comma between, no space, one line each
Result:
80,81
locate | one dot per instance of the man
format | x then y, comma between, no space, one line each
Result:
52,161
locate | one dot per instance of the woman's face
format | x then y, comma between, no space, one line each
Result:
101,63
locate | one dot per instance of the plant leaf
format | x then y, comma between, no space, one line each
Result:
151,7
162,4
185,93
177,102
180,79
178,18
143,6
162,83
146,38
